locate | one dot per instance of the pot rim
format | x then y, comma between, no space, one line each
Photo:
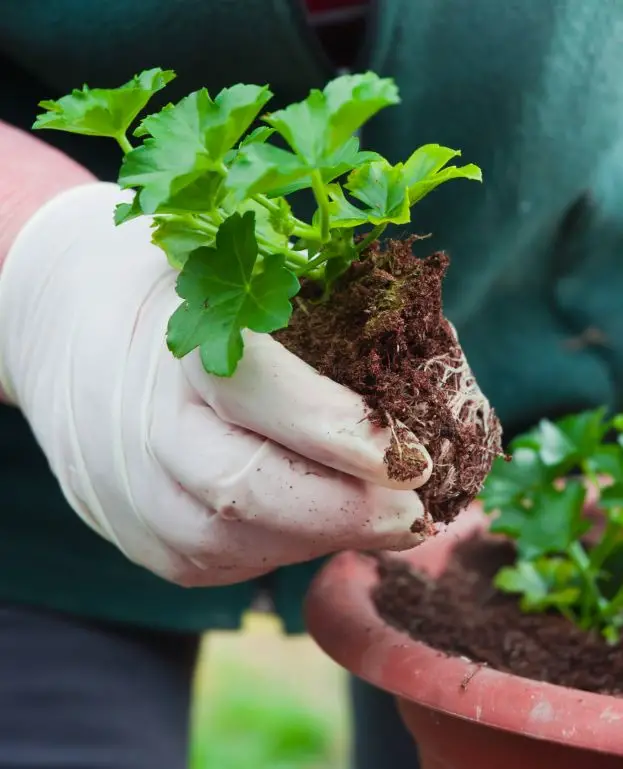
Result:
343,621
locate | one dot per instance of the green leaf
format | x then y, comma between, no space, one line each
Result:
126,211
380,187
509,482
565,444
426,161
554,522
262,169
258,136
612,496
555,448
511,518
225,292
544,583
539,516
103,111
233,111
585,430
174,157
185,146
353,99
424,170
178,237
319,125
344,213
219,123
200,195
347,157
342,161
607,459
267,223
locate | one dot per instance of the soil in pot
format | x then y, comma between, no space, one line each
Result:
383,334
462,614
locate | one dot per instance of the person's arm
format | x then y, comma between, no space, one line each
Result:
32,173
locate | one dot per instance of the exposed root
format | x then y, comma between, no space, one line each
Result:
383,334
468,407
466,400
392,427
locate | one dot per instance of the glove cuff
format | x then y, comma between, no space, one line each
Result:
22,261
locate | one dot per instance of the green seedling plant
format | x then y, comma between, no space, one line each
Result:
218,177
566,561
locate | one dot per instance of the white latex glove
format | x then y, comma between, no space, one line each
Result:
203,480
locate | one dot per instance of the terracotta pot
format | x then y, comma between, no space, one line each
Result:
462,716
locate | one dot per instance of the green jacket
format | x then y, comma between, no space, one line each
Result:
530,91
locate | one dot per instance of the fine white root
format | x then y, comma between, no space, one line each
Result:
449,476
469,408
465,399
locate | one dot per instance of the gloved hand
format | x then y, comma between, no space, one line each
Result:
203,480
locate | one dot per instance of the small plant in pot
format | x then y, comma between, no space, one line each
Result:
504,648
502,636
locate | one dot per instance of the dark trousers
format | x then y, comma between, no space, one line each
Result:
380,740
80,695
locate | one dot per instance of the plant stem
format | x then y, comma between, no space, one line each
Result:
310,266
123,142
590,475
580,559
267,203
373,235
610,537
293,259
301,229
616,604
608,542
202,223
322,199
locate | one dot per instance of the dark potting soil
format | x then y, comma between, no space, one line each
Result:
383,334
462,614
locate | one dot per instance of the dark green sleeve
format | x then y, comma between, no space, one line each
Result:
51,46
531,91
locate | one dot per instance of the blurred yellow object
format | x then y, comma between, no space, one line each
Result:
261,622
290,697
